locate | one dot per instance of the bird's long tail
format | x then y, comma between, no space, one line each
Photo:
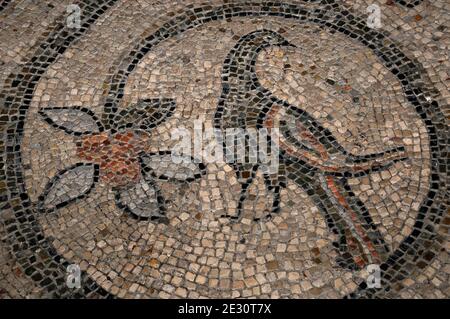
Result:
359,242
362,231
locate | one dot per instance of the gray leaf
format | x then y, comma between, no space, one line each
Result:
74,121
68,185
143,200
163,166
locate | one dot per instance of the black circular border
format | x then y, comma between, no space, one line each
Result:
35,253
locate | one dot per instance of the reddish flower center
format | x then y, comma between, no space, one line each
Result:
116,154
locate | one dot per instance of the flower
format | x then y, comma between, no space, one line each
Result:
117,156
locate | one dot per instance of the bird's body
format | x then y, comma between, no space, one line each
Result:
309,154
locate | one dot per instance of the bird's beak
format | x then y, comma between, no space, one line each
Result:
288,44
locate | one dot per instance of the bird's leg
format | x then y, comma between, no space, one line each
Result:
276,200
245,176
275,203
274,183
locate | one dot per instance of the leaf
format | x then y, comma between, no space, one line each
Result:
143,200
144,115
68,185
163,165
73,120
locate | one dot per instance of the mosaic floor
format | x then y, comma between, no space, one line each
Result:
88,177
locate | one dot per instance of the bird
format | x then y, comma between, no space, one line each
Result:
309,154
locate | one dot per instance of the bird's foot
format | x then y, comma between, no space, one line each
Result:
266,218
232,218
275,208
346,262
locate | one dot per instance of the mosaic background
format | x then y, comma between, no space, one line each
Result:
86,121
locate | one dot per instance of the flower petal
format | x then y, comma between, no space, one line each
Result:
73,120
143,200
144,115
163,165
68,185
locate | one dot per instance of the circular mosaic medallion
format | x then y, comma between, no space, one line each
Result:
93,119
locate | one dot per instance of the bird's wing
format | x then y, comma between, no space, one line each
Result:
303,138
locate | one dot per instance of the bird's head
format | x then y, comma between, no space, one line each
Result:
266,38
